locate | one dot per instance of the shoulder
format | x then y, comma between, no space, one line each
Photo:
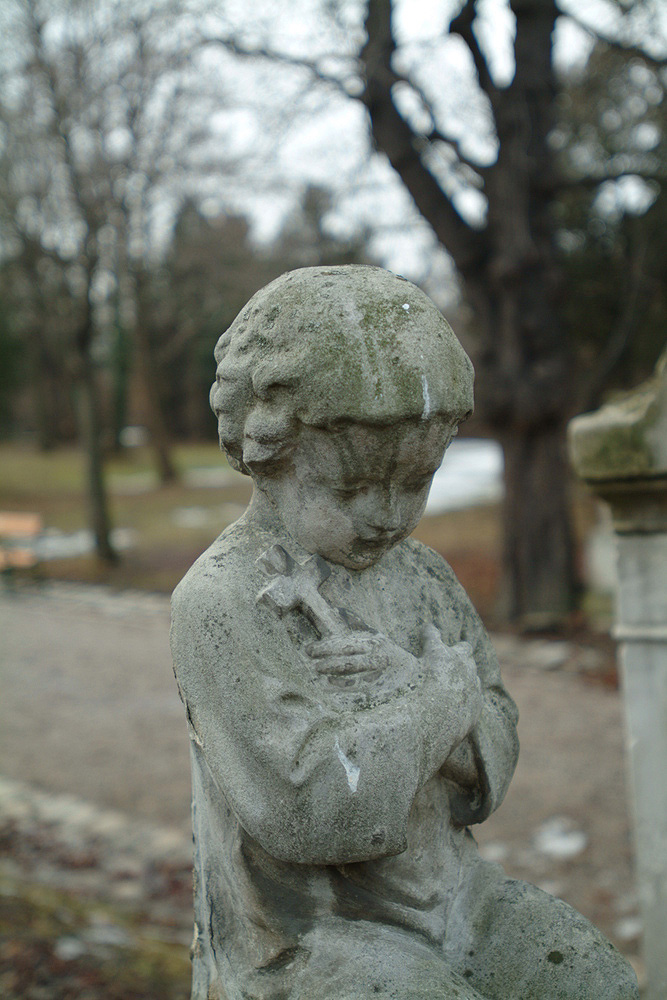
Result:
214,613
429,564
440,590
223,577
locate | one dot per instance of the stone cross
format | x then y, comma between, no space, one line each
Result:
296,586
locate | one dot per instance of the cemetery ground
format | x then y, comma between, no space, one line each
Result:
95,890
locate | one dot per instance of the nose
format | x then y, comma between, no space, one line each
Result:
383,513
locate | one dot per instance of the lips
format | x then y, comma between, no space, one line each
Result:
377,543
381,538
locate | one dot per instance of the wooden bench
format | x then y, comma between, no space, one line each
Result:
18,533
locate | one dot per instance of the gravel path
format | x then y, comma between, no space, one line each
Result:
89,702
89,711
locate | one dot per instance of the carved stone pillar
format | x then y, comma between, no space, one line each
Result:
621,453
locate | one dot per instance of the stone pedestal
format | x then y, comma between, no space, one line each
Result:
621,452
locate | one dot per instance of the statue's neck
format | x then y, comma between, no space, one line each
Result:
264,513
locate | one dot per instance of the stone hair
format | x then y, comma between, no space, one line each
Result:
310,350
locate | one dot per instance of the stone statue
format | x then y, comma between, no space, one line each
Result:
347,719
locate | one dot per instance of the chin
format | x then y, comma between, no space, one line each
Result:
360,560
358,556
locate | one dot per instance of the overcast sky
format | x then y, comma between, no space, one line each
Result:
325,140
287,131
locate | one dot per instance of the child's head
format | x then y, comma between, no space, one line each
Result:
324,346
338,390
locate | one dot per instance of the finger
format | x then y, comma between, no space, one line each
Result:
337,647
343,666
431,641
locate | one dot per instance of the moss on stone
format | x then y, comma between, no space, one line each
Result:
619,440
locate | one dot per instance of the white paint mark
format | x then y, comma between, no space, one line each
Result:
351,770
427,399
406,306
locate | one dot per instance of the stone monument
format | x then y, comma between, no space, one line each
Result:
348,722
621,452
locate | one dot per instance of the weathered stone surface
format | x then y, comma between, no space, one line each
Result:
626,438
347,717
621,451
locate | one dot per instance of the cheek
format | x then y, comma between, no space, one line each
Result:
322,522
361,509
412,509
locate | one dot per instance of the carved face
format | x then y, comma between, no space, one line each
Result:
351,494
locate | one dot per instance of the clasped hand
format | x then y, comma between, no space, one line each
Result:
371,663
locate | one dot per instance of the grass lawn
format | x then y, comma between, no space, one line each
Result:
53,485
174,524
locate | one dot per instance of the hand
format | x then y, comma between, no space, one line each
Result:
456,672
345,661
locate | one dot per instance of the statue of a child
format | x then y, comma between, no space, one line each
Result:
346,713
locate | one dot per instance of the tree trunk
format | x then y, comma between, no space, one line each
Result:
121,375
153,408
148,378
44,410
523,397
90,429
50,376
91,433
538,584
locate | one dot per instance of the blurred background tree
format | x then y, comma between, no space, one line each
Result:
510,265
611,235
159,161
89,100
497,191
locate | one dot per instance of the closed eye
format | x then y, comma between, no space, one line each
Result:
350,492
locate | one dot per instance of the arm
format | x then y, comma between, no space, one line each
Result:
481,768
311,783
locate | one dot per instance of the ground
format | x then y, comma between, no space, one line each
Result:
94,882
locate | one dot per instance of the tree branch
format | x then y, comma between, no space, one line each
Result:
239,48
462,25
394,137
435,134
608,39
59,129
592,181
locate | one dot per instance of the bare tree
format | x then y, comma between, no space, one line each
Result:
512,277
99,79
100,135
52,206
506,255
